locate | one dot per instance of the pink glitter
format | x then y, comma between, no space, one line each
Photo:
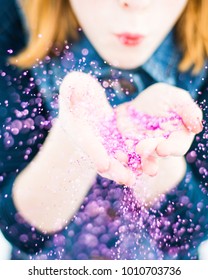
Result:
148,122
114,141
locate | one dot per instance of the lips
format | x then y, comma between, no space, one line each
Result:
129,39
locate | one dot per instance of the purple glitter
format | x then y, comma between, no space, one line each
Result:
148,122
114,141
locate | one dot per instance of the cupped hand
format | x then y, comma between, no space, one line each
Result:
83,108
128,140
168,119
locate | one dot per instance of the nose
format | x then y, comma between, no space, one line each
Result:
127,4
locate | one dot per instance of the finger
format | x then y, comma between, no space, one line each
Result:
150,165
147,146
120,174
121,156
177,144
80,87
191,115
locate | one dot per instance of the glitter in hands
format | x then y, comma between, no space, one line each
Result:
146,126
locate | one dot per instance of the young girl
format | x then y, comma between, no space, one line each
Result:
141,57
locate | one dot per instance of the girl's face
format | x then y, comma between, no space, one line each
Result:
126,33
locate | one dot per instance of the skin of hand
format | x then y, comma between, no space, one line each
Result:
83,106
158,100
60,167
162,158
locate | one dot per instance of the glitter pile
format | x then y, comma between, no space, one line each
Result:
114,141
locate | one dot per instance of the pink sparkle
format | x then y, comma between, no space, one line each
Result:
114,141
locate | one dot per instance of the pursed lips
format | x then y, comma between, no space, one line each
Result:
130,39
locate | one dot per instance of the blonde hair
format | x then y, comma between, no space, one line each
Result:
192,35
51,23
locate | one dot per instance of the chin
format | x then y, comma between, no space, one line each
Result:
127,65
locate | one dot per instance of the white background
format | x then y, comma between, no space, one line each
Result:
4,248
103,270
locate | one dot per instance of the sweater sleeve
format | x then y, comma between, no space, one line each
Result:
184,214
23,129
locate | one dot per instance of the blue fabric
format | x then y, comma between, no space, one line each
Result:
29,101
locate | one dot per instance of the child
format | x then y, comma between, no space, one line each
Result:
145,55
